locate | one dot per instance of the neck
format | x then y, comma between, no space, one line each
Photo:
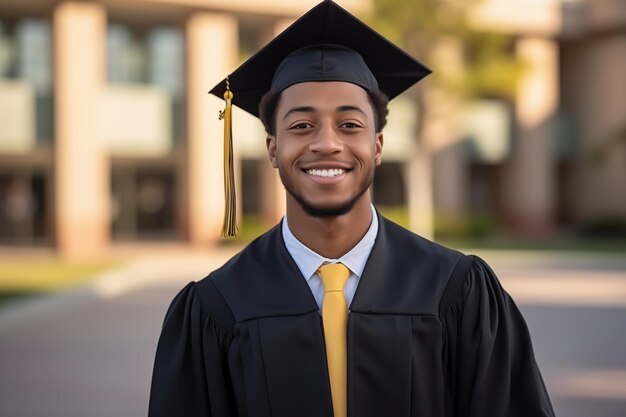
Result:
331,237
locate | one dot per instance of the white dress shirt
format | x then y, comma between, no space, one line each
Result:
309,261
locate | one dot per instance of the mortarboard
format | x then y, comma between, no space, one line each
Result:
326,44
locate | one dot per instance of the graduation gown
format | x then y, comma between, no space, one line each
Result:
430,333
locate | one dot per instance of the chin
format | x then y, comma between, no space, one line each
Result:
327,210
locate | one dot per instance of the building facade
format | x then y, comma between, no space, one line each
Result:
566,169
107,132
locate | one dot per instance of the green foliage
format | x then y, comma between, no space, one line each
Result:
473,226
250,227
594,245
401,20
397,214
491,68
488,65
608,227
478,225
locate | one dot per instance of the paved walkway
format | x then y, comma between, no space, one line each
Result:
89,352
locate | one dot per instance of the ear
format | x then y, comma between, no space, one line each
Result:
378,150
270,143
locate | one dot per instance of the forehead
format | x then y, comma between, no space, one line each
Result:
325,94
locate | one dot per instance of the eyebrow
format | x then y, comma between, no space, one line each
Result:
309,109
304,109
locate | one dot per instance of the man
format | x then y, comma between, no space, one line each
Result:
430,332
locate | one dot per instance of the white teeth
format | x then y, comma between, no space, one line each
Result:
327,173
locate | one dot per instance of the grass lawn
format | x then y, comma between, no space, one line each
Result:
27,276
252,226
606,245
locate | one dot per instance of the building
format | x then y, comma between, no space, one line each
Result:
567,164
107,133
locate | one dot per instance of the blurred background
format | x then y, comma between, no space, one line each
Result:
111,189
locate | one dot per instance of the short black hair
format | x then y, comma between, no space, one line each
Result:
269,102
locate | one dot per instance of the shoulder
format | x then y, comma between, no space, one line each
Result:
248,283
405,273
209,291
211,297
254,256
417,254
473,284
199,302
454,276
400,237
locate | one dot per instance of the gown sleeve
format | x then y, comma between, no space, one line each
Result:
489,352
190,376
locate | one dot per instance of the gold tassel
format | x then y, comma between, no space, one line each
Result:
229,228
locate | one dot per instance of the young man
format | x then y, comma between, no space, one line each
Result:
338,311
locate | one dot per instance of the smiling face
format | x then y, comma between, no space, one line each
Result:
325,147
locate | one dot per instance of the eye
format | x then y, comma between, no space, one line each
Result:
350,125
301,125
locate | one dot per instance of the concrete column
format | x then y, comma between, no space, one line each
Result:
420,191
595,91
274,198
81,165
273,195
529,193
212,51
446,127
436,132
451,185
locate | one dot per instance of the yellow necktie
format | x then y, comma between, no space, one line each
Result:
335,319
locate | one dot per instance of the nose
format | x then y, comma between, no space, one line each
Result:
327,140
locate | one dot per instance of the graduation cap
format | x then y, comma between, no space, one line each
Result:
325,44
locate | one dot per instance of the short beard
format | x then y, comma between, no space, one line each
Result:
325,212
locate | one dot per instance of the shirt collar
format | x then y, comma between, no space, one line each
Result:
309,261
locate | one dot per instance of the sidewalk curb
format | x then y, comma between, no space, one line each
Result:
143,273
179,269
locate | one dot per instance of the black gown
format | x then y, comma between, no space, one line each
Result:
430,333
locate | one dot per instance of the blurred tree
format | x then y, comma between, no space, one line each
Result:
466,62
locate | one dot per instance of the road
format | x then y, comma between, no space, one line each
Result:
90,352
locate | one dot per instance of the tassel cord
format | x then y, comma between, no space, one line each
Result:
229,228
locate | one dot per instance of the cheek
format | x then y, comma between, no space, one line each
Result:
290,143
284,155
369,153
